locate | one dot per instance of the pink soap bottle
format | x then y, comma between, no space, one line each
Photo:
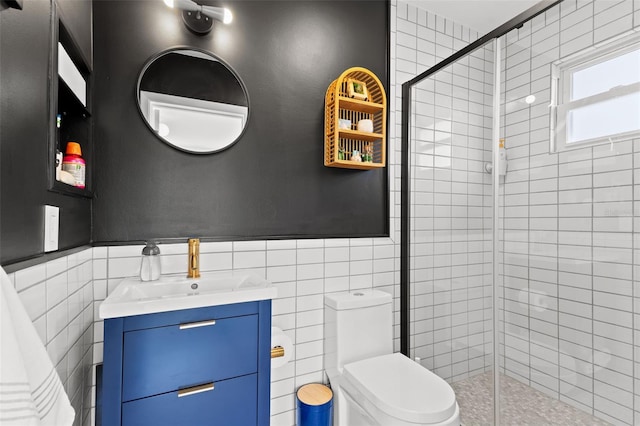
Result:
74,163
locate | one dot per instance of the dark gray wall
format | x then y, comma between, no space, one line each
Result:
25,41
273,181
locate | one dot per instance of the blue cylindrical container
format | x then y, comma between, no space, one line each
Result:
315,405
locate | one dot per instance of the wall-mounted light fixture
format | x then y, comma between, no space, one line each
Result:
198,18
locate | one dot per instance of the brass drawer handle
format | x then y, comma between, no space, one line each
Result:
195,389
277,352
197,324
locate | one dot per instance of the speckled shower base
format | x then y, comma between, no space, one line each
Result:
521,405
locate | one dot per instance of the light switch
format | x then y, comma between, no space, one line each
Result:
51,228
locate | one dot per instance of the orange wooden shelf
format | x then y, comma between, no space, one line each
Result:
360,165
343,142
363,106
354,134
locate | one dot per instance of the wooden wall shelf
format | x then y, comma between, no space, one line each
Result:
339,144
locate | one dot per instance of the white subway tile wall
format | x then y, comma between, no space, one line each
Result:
569,223
58,296
450,194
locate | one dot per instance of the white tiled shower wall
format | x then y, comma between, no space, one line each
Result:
450,194
58,296
571,226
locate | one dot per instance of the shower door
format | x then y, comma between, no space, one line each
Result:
540,261
451,223
568,258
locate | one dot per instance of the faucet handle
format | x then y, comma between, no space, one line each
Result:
193,267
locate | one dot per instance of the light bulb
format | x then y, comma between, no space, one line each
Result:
530,99
228,16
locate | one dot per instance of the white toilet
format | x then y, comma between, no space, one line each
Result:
371,384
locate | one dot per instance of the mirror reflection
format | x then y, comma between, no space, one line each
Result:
193,101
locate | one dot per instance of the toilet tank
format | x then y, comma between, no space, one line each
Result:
357,325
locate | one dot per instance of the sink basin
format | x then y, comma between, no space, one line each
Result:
135,297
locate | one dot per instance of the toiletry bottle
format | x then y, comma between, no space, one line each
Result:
502,159
74,163
150,263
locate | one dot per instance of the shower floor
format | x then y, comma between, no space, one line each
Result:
520,404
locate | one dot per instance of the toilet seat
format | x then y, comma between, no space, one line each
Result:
401,389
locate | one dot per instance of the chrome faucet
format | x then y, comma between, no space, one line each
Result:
193,269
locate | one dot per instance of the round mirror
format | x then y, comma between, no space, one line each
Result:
193,101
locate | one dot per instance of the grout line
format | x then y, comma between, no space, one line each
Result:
559,393
593,393
633,285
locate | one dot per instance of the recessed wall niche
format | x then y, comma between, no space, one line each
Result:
70,116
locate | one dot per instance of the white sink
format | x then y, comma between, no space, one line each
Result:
135,297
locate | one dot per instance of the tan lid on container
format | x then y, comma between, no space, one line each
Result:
315,394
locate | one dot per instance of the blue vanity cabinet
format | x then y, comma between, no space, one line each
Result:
202,366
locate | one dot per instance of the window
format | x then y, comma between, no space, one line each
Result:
596,95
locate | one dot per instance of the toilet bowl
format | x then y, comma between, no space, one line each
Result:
371,384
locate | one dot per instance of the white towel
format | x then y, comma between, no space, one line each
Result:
31,393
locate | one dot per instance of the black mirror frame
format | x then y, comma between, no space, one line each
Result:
150,61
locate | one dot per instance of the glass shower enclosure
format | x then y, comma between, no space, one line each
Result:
519,258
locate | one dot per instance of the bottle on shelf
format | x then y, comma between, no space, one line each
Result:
74,164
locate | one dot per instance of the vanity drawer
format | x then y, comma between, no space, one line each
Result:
164,359
230,402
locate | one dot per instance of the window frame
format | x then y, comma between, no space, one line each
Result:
562,72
